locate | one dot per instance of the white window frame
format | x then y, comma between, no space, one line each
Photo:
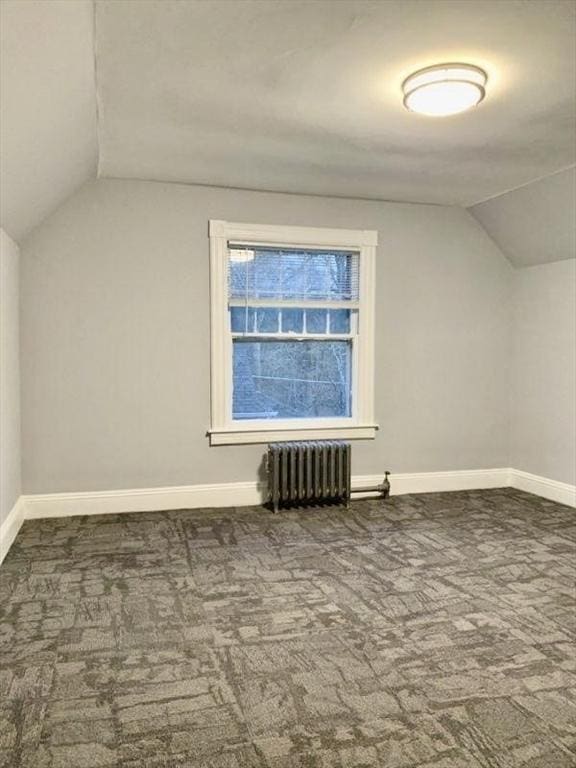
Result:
224,430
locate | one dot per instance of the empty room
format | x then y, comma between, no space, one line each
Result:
288,384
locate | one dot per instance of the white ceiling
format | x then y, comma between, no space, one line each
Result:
293,96
304,96
536,223
48,144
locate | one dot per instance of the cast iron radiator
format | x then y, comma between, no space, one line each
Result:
309,472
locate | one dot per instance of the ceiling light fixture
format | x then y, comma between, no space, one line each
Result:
444,89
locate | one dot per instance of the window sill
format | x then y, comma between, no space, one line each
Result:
235,436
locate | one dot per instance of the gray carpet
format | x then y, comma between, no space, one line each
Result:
434,630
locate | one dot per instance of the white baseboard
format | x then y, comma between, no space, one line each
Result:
10,527
143,499
237,494
250,493
563,493
430,482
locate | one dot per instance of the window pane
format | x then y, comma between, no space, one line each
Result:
291,379
316,320
339,321
260,272
267,320
292,320
266,274
240,277
242,319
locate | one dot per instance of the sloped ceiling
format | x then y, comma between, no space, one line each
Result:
301,96
536,223
48,144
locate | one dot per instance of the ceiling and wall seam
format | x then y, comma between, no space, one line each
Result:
521,186
478,224
264,191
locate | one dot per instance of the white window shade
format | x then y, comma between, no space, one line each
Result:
292,275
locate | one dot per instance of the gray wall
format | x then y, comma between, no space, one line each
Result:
543,395
10,484
116,337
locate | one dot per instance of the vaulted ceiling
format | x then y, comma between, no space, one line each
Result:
534,224
293,95
48,145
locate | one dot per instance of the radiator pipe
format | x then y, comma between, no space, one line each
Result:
383,489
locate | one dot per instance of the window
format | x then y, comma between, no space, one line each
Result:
292,312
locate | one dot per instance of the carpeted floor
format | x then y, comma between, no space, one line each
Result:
434,630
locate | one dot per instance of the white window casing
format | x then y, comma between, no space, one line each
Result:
224,430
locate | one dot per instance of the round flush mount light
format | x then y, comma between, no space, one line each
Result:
444,89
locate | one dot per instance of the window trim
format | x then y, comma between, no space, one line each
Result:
224,430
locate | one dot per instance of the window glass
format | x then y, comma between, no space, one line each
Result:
291,379
275,294
292,320
241,319
316,320
267,320
339,321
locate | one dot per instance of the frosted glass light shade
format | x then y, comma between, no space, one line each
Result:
445,89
